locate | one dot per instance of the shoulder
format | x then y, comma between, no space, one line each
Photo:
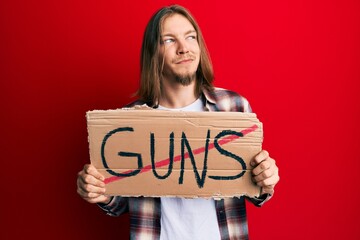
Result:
220,93
227,100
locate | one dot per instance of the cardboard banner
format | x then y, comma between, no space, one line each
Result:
173,153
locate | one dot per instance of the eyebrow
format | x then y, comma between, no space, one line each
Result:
186,33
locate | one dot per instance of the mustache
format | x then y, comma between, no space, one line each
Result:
184,57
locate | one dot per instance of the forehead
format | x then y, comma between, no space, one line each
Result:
176,24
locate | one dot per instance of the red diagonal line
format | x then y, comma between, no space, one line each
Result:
177,158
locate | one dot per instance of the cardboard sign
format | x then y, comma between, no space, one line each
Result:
172,153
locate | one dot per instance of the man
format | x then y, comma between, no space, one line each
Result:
176,74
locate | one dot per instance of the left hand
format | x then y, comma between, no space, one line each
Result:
265,172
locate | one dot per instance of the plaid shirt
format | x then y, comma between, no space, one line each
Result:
145,212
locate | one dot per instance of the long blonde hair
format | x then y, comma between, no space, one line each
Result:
151,65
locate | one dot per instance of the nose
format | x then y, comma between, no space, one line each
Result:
182,47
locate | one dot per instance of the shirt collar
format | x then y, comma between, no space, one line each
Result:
209,96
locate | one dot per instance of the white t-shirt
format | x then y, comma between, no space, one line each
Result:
183,219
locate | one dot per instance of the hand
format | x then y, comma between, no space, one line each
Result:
91,186
265,172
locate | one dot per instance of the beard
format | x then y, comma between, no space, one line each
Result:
185,79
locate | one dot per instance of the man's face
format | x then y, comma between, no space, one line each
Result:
180,50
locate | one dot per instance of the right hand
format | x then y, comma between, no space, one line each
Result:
91,186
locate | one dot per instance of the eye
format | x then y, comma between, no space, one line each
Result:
192,37
168,40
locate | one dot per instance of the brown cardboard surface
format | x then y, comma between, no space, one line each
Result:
172,153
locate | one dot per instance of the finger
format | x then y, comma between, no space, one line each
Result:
263,166
261,156
268,189
88,186
101,199
90,179
90,169
269,181
264,175
84,194
93,197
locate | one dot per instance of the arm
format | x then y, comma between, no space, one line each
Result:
266,175
265,172
91,187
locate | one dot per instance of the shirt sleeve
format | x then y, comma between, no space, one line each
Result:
259,201
117,206
247,107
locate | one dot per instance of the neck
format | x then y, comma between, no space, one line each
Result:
176,95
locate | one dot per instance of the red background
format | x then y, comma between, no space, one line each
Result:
296,61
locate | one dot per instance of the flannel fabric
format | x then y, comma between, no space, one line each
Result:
145,213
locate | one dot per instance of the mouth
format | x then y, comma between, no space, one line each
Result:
183,61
